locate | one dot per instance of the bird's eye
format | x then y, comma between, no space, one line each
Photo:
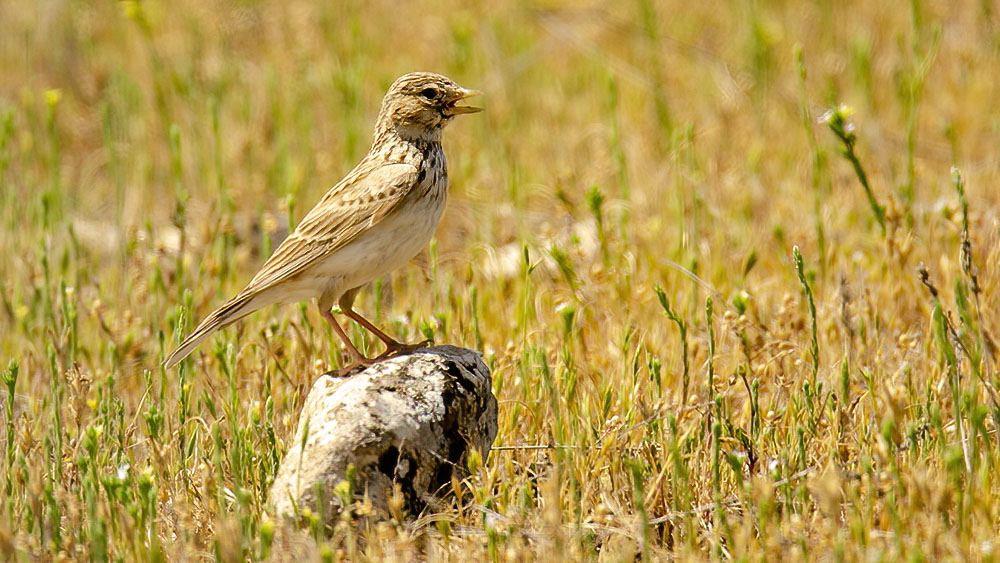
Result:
429,93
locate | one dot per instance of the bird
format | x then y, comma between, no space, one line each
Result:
372,222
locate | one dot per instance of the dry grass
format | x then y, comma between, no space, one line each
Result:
151,154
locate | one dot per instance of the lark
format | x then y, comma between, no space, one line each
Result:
370,223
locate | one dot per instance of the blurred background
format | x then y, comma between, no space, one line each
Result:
663,106
153,153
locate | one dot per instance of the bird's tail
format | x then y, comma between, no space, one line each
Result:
232,311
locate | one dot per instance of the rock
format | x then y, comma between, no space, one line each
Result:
409,421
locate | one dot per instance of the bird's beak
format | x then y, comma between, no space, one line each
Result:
455,109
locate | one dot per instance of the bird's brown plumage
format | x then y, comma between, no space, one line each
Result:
397,190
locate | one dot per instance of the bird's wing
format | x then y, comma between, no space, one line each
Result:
358,202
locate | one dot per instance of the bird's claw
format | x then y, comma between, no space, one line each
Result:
392,350
400,349
349,370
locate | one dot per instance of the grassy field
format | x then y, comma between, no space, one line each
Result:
722,322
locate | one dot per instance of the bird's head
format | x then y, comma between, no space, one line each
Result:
419,104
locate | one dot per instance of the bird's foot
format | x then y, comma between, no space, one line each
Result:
359,364
399,349
392,350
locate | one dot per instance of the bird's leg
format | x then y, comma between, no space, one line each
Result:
361,359
393,347
388,340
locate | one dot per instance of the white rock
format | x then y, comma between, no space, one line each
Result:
408,421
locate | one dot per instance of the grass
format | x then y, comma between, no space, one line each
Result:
707,341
